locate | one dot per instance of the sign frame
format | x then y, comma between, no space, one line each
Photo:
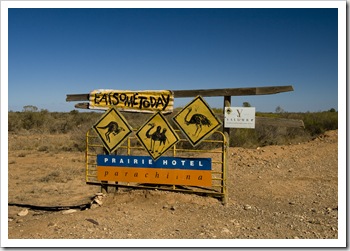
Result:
197,102
113,128
162,139
165,170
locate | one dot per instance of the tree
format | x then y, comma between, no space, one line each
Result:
279,109
30,108
246,104
332,110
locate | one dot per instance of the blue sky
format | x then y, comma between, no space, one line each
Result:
54,52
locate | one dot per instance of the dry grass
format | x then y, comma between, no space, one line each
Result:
40,129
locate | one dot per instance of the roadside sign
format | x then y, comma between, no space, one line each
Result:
164,170
112,129
197,121
157,136
240,117
132,101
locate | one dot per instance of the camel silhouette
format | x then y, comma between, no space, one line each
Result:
163,138
156,136
112,128
197,119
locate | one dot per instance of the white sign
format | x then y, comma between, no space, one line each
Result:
240,117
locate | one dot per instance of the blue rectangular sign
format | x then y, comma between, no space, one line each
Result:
148,162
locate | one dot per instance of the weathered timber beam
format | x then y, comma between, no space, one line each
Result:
77,97
258,120
82,105
209,92
279,122
233,91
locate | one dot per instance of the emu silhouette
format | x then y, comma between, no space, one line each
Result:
156,136
197,119
112,128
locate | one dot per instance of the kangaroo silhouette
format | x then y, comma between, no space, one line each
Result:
112,128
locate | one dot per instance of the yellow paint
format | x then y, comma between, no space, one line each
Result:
155,176
197,121
157,136
112,129
134,101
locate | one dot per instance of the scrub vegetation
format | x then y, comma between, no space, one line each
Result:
74,125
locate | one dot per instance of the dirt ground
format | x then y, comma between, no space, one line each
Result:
274,192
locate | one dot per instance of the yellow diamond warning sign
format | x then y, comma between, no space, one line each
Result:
112,129
197,121
157,136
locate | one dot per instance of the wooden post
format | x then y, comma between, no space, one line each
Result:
225,150
104,184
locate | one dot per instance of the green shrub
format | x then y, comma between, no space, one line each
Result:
76,124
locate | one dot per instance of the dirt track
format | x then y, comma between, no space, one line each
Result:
275,192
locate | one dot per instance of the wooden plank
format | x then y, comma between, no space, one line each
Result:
232,91
82,105
77,97
279,122
209,92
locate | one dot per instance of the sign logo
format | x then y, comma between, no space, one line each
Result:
240,117
112,129
197,121
157,136
165,170
132,101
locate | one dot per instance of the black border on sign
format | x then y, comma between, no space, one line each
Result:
195,143
110,150
169,126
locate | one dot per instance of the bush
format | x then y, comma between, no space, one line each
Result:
76,124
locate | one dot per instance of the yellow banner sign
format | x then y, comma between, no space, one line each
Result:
133,101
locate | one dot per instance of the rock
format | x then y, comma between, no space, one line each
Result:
24,212
98,201
247,207
93,206
225,231
51,224
69,211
